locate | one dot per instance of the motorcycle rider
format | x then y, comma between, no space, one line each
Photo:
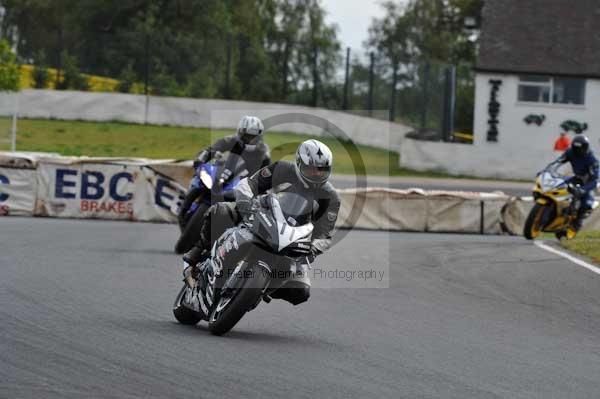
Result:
307,177
247,143
585,166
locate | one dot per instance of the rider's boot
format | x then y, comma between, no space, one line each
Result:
577,223
195,256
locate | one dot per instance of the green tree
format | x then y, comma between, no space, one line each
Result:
180,46
9,70
127,78
437,29
40,74
417,41
73,79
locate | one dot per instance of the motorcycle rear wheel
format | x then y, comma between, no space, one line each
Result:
185,315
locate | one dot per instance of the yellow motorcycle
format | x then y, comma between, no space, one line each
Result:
555,207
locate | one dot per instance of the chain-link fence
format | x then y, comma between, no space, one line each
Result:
8,126
435,98
5,134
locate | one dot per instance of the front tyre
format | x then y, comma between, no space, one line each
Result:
227,312
534,223
183,314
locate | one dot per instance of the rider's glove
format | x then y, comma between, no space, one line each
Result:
313,253
576,190
244,207
202,158
226,175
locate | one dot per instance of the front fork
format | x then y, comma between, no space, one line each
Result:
566,213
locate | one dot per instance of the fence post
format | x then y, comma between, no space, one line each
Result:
393,91
371,81
59,60
449,103
146,74
347,80
425,99
228,67
286,56
13,130
315,90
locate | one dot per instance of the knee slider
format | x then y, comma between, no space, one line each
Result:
298,295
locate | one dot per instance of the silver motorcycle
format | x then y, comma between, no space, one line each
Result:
248,263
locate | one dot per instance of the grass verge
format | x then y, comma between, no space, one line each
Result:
587,243
116,139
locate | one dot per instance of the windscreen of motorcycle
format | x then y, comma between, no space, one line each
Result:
550,181
297,208
280,228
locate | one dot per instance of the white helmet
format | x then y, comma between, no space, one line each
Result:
313,162
250,129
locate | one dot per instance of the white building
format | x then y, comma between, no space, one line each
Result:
538,72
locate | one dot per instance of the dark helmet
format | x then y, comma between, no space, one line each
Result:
580,145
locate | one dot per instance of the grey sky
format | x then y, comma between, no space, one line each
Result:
353,18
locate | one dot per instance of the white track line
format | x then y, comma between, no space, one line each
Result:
565,255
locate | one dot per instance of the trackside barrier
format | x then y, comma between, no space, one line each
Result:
422,211
138,189
17,191
133,189
106,191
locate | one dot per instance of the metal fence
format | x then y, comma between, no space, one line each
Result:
8,128
435,98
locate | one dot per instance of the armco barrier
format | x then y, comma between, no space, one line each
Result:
139,189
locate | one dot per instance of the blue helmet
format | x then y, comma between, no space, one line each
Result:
580,145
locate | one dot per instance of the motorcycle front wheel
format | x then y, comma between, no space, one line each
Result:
228,311
534,223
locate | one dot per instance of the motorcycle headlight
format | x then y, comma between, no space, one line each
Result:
206,179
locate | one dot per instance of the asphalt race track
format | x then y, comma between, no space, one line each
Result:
86,313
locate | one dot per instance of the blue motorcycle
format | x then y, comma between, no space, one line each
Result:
213,182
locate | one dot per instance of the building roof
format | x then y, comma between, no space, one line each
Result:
559,37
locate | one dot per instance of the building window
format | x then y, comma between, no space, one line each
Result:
544,89
569,91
